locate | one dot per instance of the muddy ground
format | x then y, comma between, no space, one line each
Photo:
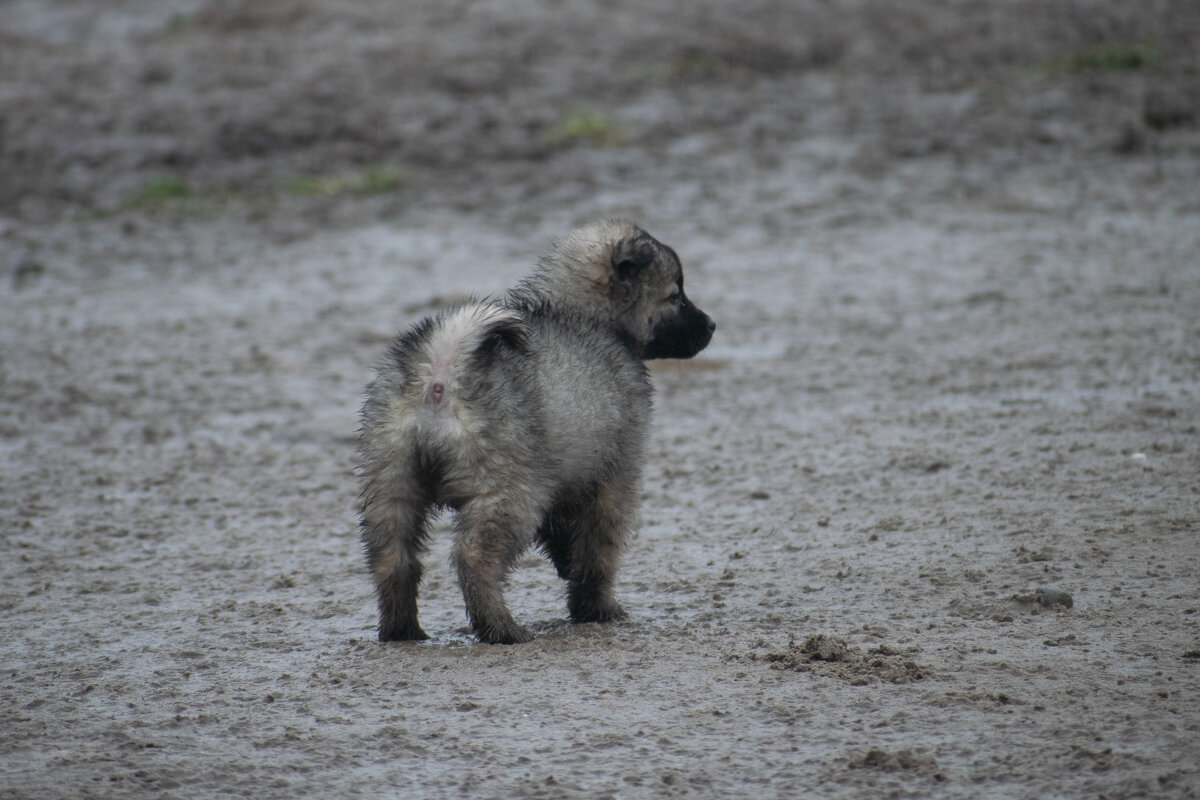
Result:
952,252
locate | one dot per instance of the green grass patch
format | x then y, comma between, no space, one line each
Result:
172,195
691,65
373,180
179,23
161,189
586,127
1114,57
1107,57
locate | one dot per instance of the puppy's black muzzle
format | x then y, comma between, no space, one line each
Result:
682,336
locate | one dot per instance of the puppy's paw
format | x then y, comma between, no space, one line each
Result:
410,633
594,609
503,633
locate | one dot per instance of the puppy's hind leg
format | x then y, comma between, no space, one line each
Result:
492,534
596,536
394,512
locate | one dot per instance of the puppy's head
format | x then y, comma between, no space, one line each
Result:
616,271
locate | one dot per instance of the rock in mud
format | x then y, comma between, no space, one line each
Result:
1051,597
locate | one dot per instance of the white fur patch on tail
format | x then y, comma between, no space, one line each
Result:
458,334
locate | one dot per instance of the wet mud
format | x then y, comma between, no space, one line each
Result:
950,421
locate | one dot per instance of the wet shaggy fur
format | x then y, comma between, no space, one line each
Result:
527,416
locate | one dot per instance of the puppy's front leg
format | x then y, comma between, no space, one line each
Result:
597,536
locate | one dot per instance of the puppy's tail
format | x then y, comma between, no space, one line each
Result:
462,340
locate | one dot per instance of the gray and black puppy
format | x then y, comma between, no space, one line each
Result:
527,416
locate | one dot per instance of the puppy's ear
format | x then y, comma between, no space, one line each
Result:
631,257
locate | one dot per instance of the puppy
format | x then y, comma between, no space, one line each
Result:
527,416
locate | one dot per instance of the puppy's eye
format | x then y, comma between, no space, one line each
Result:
675,298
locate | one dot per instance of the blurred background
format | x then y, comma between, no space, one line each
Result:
230,106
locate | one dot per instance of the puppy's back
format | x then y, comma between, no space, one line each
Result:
595,395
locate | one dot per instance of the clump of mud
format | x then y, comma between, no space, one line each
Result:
833,657
1047,598
899,761
824,648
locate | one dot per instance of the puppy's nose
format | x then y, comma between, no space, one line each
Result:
712,324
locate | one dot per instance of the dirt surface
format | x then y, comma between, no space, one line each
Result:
952,253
